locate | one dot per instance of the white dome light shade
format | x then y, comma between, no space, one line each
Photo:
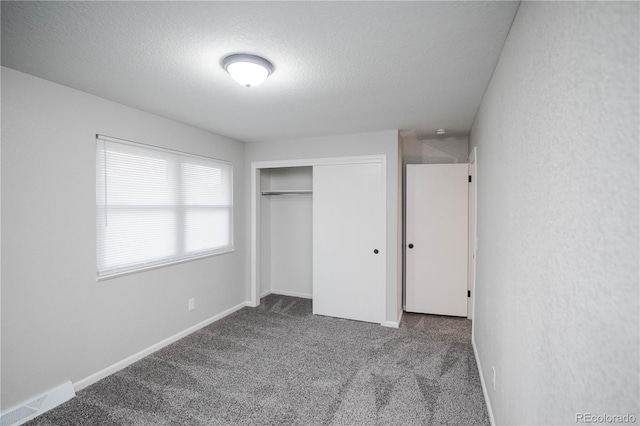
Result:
248,70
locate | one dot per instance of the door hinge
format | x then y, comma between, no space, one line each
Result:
468,293
469,178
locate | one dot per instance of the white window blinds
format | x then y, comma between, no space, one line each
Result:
157,206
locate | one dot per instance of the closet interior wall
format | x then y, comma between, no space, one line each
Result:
286,231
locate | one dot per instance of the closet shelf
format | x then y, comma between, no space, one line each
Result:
288,192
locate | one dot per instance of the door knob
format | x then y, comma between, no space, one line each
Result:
410,246
375,251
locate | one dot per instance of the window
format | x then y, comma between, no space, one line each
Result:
156,206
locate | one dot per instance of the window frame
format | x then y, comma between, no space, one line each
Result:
179,208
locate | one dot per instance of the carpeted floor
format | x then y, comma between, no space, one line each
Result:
280,365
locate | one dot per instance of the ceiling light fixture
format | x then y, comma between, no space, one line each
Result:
248,70
440,132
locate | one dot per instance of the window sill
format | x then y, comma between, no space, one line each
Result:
160,265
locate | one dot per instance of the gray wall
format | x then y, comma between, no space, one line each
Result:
385,142
557,295
58,323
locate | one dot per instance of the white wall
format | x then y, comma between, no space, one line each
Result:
557,295
58,323
264,230
434,151
400,229
385,142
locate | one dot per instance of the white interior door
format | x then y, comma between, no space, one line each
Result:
437,238
348,241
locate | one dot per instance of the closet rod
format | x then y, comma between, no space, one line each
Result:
288,192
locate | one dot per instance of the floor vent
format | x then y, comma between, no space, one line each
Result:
37,406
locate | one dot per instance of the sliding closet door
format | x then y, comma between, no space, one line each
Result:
348,241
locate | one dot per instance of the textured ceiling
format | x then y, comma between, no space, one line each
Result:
340,67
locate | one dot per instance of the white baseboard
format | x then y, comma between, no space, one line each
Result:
87,381
266,293
289,293
36,406
393,324
484,385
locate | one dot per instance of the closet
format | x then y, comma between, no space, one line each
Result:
286,231
319,232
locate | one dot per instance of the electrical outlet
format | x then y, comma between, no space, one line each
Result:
192,306
493,377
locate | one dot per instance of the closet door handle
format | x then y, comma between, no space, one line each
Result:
376,251
410,246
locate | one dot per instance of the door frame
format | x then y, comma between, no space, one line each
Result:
473,236
256,166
